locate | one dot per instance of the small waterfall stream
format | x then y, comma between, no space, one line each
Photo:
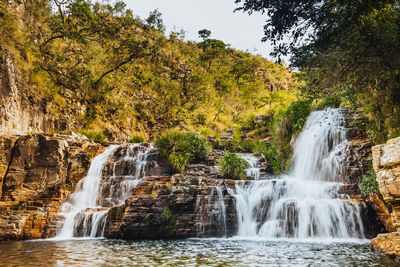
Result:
305,203
254,169
86,209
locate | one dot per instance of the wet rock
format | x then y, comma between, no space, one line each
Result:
177,206
38,173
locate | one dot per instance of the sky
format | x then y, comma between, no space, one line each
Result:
238,29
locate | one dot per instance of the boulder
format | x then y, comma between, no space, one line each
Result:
388,244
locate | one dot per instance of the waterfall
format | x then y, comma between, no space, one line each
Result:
254,169
86,209
305,203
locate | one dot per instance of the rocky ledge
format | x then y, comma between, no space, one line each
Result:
177,206
386,162
37,174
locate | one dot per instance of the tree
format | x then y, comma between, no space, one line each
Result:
155,20
347,49
204,34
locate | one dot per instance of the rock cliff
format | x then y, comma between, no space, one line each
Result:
20,111
386,163
177,206
37,173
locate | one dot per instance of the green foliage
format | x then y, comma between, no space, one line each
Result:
351,58
182,148
232,166
154,195
135,139
155,20
369,184
96,136
204,34
102,67
171,217
178,161
330,102
285,125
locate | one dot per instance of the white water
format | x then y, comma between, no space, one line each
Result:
86,209
254,170
304,204
222,214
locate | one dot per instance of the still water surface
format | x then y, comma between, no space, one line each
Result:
189,252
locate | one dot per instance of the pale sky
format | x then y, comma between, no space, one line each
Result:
238,29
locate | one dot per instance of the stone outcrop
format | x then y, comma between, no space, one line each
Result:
358,150
20,110
388,244
37,173
177,206
386,163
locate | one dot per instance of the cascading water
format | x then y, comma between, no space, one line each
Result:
254,169
86,209
306,203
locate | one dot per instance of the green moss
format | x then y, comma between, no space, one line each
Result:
117,213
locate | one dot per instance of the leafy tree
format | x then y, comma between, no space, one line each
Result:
204,34
100,68
155,20
350,49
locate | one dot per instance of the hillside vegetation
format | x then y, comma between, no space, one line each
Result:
348,52
104,69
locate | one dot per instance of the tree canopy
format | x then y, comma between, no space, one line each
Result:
348,50
99,67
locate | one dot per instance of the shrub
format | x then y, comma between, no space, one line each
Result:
333,101
232,166
135,139
369,184
285,125
96,136
178,161
182,148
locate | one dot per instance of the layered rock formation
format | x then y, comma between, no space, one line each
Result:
180,206
386,163
37,173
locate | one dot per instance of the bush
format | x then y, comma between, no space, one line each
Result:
136,139
178,161
232,166
369,184
182,148
96,136
285,125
